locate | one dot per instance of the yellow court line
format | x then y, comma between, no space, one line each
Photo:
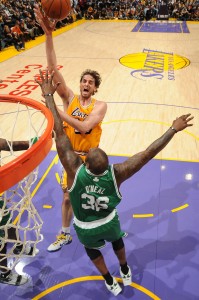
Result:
135,120
87,278
143,215
152,215
57,177
47,206
54,161
180,208
149,121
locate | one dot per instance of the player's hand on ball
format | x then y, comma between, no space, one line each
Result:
47,24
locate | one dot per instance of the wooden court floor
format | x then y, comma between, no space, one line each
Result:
148,79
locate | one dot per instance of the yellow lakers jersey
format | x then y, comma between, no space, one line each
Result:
82,142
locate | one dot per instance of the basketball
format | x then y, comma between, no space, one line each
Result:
56,9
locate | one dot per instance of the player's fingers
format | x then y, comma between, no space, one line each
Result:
186,116
183,117
189,119
35,79
51,77
46,76
41,74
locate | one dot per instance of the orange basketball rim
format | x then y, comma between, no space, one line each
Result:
14,171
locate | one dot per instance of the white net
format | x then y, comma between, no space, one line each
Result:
19,122
20,223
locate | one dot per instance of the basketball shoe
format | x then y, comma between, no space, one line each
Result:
62,239
12,278
126,278
115,289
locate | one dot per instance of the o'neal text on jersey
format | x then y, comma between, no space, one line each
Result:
94,189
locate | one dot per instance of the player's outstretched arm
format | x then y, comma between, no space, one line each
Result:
69,159
132,165
15,145
48,27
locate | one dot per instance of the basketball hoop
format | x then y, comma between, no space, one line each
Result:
18,168
27,119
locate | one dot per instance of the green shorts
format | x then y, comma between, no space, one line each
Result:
96,238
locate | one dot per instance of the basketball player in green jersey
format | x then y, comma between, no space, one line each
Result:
94,189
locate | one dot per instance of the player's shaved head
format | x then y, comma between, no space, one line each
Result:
96,161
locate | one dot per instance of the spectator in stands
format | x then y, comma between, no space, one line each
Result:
2,39
18,36
7,20
1,20
121,15
69,18
103,15
18,43
184,14
131,13
110,15
78,12
8,38
89,13
148,13
196,13
83,6
24,30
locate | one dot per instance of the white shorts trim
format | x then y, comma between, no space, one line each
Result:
95,224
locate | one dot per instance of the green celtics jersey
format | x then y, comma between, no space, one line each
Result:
94,197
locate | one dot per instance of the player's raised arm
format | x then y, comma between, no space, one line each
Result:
129,167
69,159
48,27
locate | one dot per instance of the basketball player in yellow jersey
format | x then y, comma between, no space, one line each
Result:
82,141
82,117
